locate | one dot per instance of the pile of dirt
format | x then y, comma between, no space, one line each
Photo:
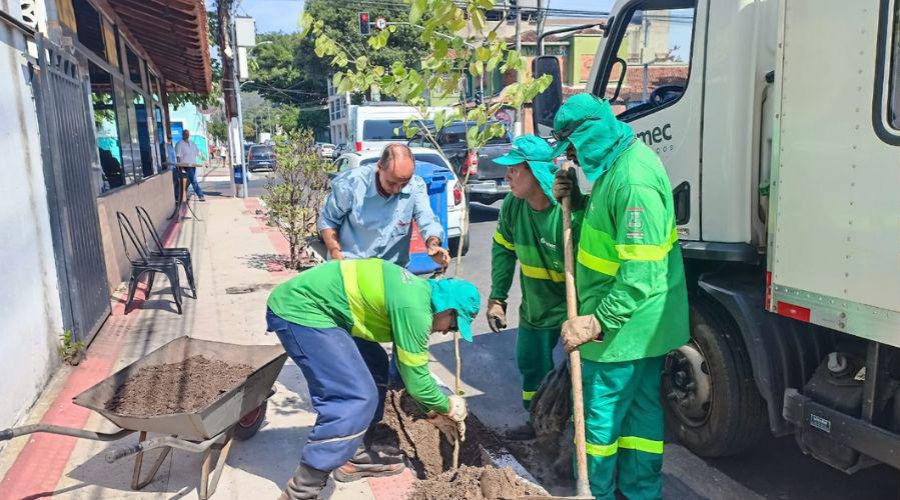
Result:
474,483
406,428
182,387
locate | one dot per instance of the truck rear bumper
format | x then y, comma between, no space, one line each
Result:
487,188
843,429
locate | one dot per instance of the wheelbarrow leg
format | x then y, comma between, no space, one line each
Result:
136,482
207,487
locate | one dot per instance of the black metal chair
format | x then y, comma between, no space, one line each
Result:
146,263
181,254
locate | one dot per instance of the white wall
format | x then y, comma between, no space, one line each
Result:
30,317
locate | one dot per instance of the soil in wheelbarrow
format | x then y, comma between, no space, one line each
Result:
406,428
184,387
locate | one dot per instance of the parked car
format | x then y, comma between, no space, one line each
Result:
375,125
326,150
486,182
455,198
341,149
260,156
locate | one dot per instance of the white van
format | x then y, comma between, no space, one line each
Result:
374,125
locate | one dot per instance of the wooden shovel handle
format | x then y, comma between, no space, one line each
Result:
582,486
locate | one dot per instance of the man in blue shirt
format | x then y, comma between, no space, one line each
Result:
370,210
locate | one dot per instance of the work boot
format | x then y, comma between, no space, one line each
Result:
524,432
383,440
306,484
368,463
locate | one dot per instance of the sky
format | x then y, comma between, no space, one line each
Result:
282,15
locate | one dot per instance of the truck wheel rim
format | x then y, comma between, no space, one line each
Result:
687,385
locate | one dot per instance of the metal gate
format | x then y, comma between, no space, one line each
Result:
69,147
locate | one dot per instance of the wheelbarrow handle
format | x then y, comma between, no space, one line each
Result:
117,453
7,434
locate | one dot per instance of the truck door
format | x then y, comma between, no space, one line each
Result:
651,70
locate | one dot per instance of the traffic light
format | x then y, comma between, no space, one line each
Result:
364,23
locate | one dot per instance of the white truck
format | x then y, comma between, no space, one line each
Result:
778,122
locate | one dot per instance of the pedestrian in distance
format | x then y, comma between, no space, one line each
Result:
188,152
331,320
632,295
529,230
370,210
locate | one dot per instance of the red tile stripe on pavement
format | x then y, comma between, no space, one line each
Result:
41,463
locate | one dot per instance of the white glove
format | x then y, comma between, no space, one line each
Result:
453,423
579,330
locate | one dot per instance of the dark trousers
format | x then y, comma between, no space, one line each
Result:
347,379
192,179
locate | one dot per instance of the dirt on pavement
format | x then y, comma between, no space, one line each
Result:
405,427
183,387
474,483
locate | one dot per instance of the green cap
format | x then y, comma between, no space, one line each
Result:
526,148
538,155
452,293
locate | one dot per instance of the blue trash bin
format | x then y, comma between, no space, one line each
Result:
238,175
436,179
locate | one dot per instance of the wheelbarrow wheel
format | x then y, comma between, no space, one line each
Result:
248,426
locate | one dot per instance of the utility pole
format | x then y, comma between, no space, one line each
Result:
518,128
229,89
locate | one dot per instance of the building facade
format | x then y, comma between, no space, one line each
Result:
84,96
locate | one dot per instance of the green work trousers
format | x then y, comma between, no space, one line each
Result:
624,428
534,357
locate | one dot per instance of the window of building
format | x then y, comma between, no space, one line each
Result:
89,25
654,52
134,67
106,128
145,143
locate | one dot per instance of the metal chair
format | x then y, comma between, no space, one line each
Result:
146,263
181,254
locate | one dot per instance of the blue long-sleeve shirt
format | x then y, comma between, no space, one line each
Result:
371,225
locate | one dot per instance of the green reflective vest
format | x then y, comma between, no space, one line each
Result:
534,238
629,270
352,295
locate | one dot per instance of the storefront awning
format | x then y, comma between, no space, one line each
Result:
173,33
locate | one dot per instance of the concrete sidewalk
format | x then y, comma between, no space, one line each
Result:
234,251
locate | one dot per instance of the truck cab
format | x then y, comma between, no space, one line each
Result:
777,124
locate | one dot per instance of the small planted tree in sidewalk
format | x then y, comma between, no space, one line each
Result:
459,47
296,193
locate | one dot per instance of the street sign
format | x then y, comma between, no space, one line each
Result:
381,23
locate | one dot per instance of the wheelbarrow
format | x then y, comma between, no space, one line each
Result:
237,413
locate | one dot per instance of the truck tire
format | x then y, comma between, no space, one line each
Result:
710,398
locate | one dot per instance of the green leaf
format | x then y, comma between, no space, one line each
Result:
471,135
483,54
416,8
362,62
477,17
411,131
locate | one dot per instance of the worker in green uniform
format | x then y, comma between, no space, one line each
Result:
632,295
530,231
331,320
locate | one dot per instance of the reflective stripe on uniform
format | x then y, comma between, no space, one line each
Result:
411,359
601,450
641,444
598,264
541,273
363,283
528,395
647,252
502,242
625,443
335,439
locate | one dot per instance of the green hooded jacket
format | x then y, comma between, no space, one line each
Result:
629,270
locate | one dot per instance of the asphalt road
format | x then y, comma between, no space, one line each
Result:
774,469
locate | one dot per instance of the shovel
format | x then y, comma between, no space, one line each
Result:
582,488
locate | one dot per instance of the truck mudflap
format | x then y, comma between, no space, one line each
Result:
841,429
